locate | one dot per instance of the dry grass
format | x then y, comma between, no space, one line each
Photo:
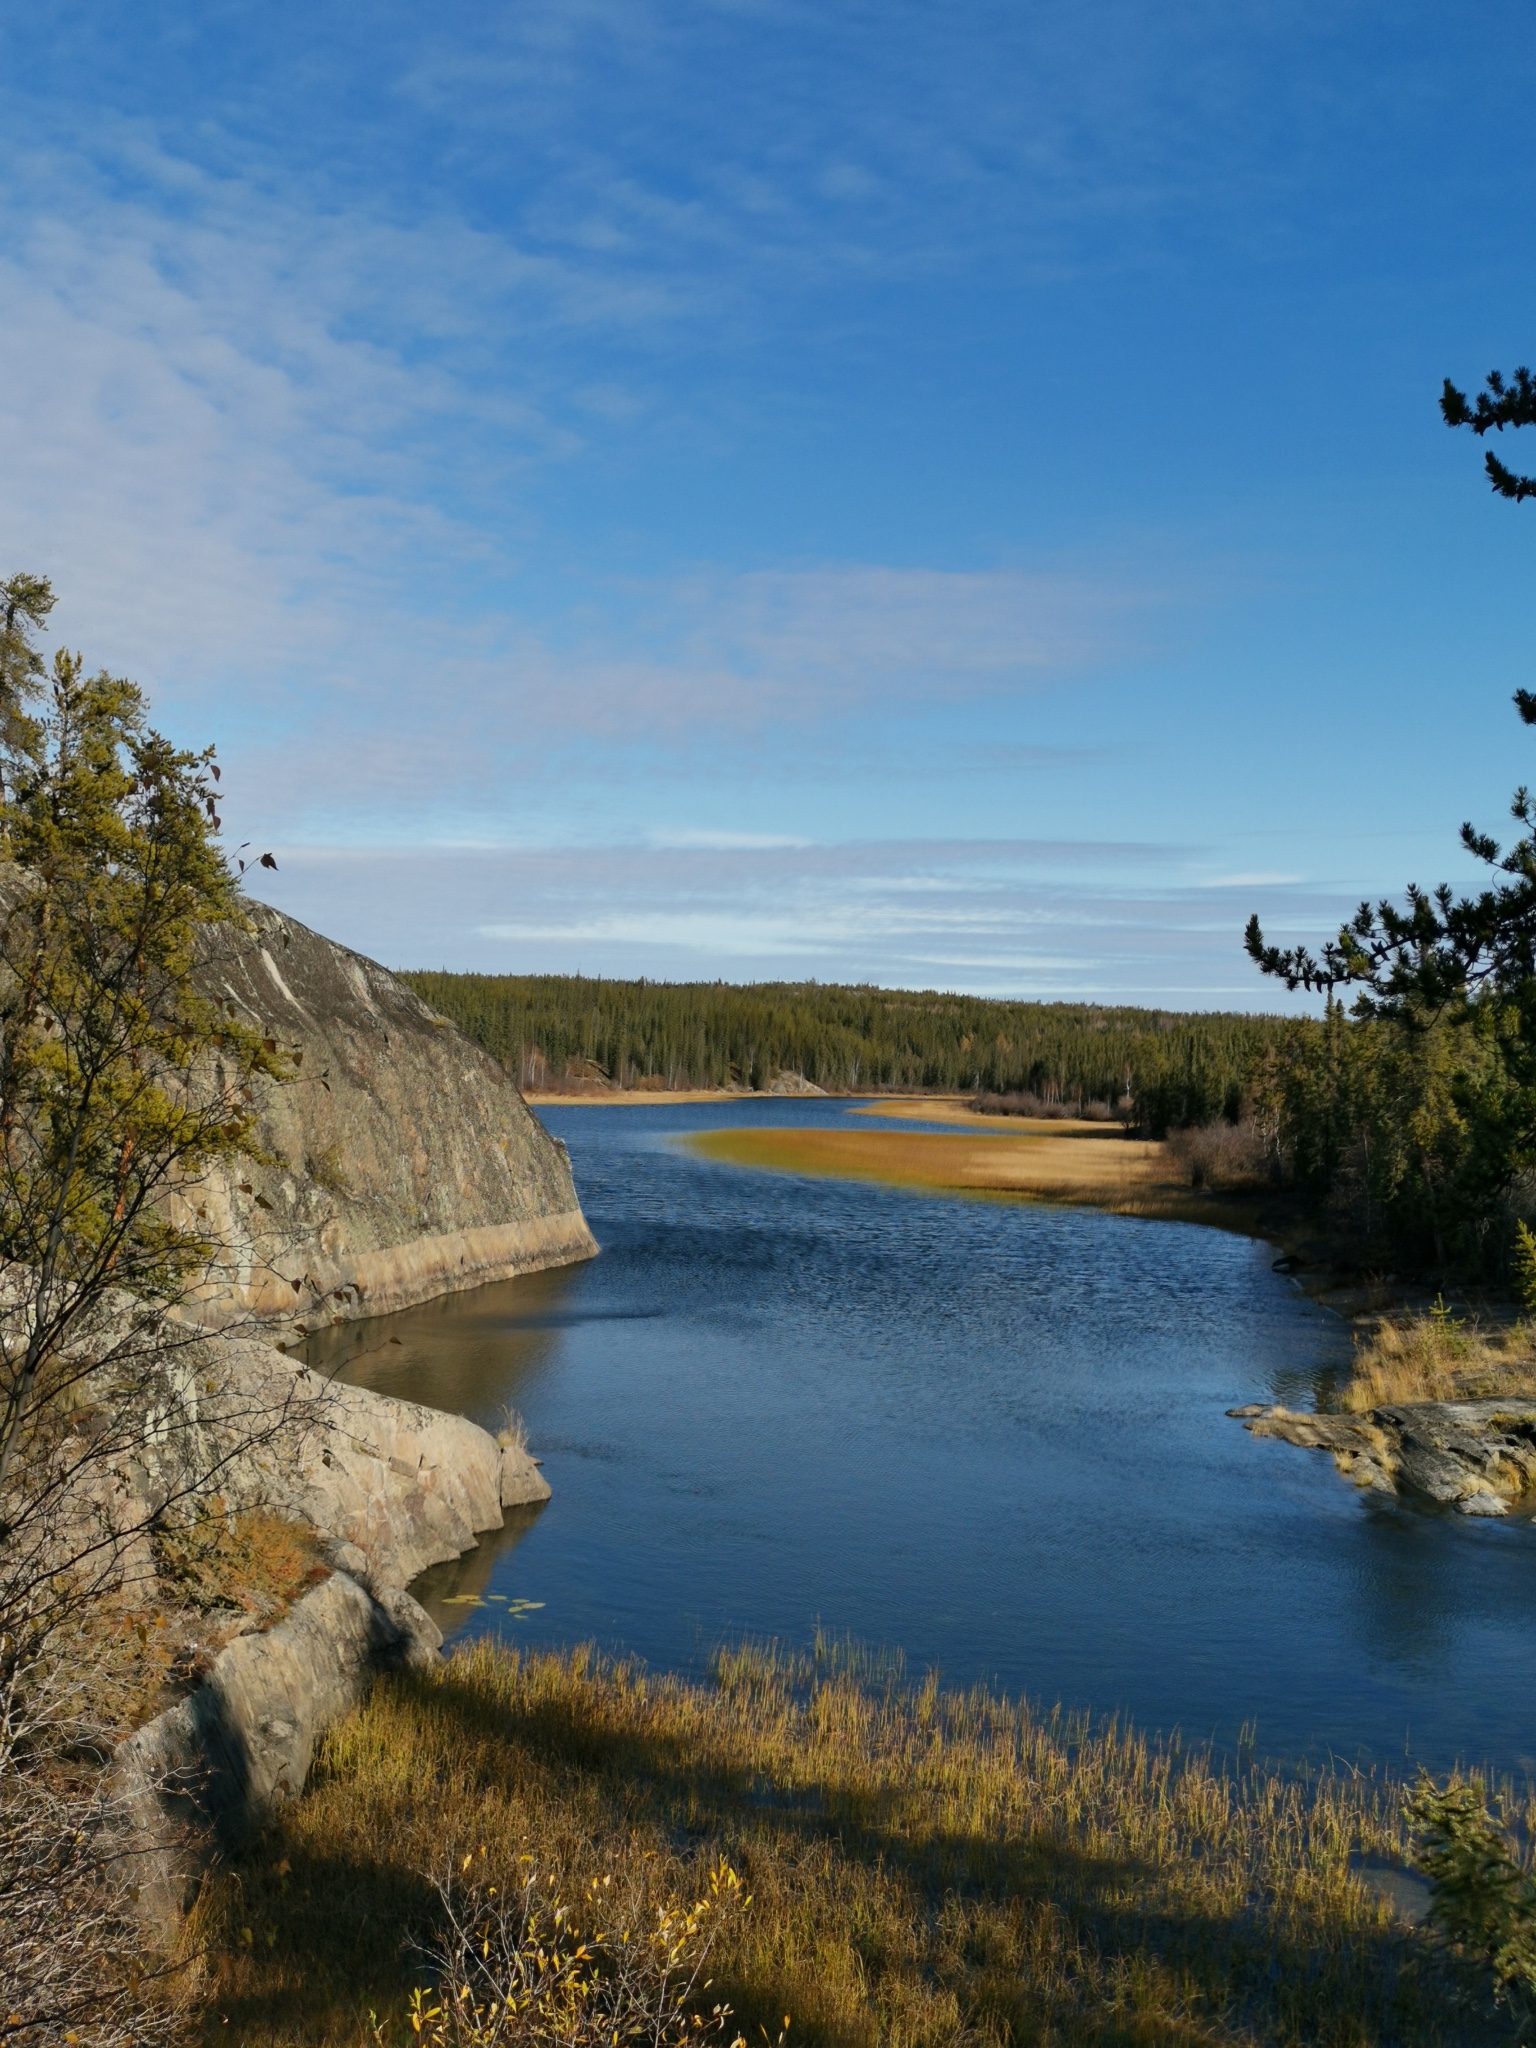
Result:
1064,1168
1088,1165
1438,1357
1085,1165
254,1563
924,1868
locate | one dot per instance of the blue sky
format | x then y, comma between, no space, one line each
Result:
944,496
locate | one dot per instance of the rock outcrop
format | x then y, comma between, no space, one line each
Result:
402,1162
391,1487
237,1420
1477,1457
408,1486
201,1776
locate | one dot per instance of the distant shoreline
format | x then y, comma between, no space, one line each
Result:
1043,1159
630,1098
948,1106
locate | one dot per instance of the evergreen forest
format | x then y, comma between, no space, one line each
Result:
1159,1069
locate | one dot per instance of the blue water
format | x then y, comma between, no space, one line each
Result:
988,1434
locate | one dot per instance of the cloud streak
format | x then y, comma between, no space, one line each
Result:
232,463
607,425
1049,919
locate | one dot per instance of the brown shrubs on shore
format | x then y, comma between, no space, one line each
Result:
1023,1102
1224,1158
923,1867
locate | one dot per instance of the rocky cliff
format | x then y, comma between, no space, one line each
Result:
401,1161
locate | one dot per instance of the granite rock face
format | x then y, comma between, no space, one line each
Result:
391,1487
200,1776
1477,1457
408,1486
399,1163
402,1162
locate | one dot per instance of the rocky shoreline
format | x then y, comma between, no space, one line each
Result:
399,1162
1473,1457
389,1487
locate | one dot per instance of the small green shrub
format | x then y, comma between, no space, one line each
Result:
1484,1898
1523,1266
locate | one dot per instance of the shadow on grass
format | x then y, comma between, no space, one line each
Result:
1020,1938
301,1938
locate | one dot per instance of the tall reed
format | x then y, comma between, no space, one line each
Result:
924,1866
1440,1357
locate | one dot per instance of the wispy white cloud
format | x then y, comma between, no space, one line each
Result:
1050,919
1254,881
879,141
230,417
724,842
282,423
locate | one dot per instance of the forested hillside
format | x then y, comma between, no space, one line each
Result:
1162,1067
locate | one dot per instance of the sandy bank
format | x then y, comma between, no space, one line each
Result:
956,1109
643,1097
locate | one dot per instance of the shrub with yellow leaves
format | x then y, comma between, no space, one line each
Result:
516,1965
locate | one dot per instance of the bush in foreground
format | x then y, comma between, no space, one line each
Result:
517,1968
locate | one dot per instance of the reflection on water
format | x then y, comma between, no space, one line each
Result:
989,1433
449,1591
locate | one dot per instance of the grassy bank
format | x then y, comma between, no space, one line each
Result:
924,1868
1440,1357
1090,1164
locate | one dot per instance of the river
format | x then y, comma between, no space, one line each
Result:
985,1434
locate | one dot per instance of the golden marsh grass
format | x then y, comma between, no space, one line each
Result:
1066,1168
1440,1358
925,1868
1091,1165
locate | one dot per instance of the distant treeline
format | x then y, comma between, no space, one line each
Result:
1159,1068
